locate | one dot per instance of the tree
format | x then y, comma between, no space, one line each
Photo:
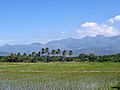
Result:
58,52
33,54
70,53
18,54
92,57
83,57
24,57
12,58
43,51
46,49
39,53
19,57
47,54
53,52
64,54
24,54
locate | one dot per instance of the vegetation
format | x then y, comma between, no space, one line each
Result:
59,76
45,55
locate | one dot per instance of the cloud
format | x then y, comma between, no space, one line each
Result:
89,24
93,29
114,19
63,33
3,42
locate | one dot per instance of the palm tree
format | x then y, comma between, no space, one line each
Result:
58,52
13,57
43,51
64,54
47,54
18,57
33,54
47,51
53,52
11,54
24,54
18,54
70,53
39,53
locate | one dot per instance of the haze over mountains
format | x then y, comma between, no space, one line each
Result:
100,45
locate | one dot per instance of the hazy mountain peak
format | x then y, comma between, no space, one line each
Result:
96,45
36,44
70,38
100,36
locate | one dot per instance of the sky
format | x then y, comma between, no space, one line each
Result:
40,21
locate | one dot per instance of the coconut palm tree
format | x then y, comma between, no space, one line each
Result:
47,54
47,51
39,54
53,52
18,54
70,53
43,51
58,52
33,54
64,54
24,54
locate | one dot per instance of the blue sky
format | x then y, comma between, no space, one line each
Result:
30,21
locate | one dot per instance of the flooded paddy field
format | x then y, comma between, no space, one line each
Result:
59,76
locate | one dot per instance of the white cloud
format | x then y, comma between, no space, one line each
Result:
63,33
3,42
114,19
93,29
89,24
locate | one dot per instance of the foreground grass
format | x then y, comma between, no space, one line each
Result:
61,67
59,76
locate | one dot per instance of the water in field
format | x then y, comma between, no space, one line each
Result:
58,81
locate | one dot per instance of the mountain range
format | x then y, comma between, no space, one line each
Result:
99,45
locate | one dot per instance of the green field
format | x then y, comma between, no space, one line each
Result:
59,76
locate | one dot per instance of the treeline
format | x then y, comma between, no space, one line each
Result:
95,58
45,55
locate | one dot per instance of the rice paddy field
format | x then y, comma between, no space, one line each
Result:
59,76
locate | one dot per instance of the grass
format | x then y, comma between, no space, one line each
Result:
61,67
59,76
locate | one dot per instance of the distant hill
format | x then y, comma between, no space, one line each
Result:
100,45
4,53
